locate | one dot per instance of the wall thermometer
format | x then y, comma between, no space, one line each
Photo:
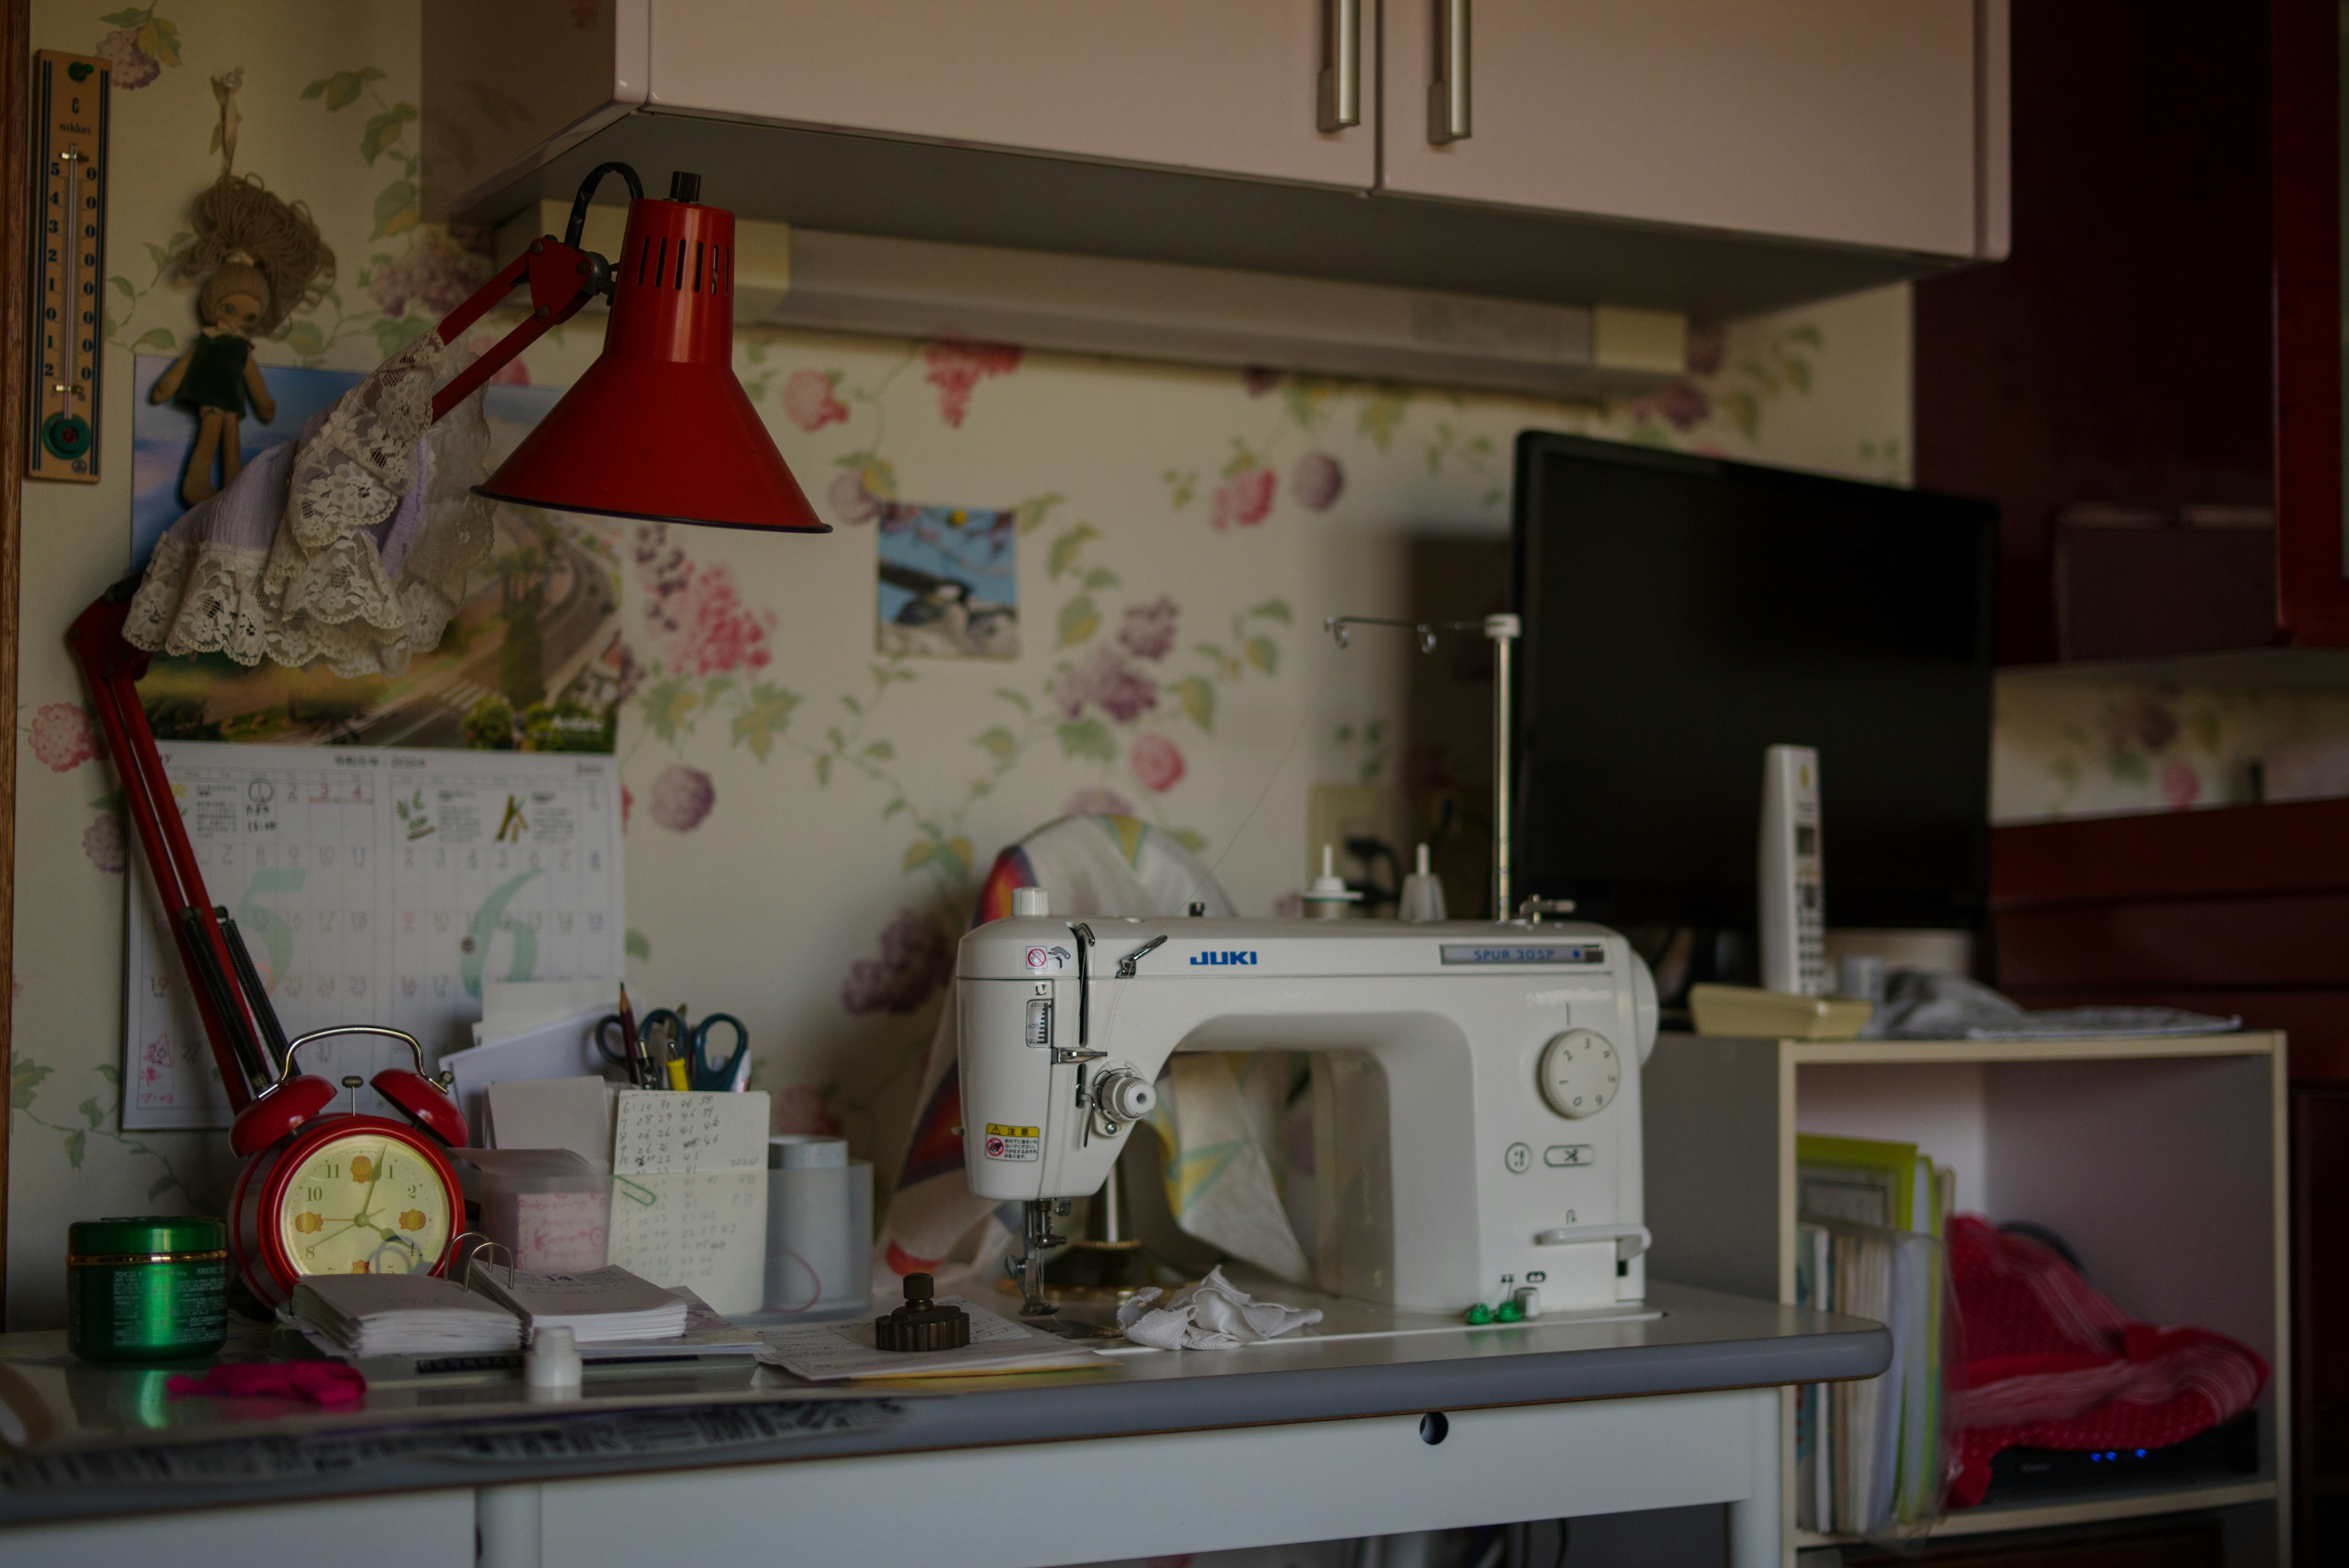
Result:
68,337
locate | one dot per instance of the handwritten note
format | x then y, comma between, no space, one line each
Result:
706,1230
659,1132
690,1193
554,1231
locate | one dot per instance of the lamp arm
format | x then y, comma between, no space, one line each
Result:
563,279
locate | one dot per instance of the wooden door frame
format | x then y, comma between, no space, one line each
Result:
16,222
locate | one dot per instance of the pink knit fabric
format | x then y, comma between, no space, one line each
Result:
2050,1363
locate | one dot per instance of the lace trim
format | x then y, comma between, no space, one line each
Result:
321,590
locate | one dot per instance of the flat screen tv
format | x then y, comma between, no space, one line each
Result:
1682,613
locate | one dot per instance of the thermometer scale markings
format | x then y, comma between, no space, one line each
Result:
64,347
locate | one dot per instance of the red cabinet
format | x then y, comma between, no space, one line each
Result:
2151,385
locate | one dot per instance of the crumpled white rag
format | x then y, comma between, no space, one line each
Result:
1213,1315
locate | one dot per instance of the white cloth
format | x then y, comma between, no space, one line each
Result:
1922,1005
1213,1315
350,544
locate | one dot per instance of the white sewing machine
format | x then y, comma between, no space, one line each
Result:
1479,1123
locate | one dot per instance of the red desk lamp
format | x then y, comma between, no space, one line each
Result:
659,428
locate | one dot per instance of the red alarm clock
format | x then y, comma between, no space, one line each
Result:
326,1192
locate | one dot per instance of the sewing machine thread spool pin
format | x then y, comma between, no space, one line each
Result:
923,1323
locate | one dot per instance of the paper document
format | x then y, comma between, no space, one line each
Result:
690,1193
599,1307
833,1353
564,1048
574,1114
511,1007
662,1130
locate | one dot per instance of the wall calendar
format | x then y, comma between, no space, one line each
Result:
372,885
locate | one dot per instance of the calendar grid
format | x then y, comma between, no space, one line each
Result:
374,885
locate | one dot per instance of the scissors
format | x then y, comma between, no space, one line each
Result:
665,1030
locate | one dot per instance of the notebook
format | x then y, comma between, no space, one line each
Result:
402,1315
599,1307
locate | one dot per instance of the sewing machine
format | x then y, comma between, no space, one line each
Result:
1477,1118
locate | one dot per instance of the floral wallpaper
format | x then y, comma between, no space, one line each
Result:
807,817
2079,748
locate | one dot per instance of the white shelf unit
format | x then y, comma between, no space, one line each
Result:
2161,1162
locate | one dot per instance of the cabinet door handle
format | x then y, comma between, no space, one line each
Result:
1341,65
1447,94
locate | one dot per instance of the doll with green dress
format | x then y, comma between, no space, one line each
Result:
261,259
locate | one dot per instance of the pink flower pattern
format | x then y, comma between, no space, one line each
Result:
1106,679
956,368
1245,498
102,842
62,736
809,401
698,621
133,68
682,798
1148,630
1157,761
851,502
435,274
2181,786
1317,480
916,959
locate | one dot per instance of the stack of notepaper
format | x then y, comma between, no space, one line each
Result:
402,1315
1869,1455
599,1307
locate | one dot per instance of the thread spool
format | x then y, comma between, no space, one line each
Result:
819,1228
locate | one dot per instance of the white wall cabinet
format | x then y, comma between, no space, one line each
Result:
1650,153
1845,122
1224,87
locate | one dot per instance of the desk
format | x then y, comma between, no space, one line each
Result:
1298,1441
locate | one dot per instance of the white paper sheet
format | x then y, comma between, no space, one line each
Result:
555,1113
563,1049
689,1192
705,1230
661,1130
832,1353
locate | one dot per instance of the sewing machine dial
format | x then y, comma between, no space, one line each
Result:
1580,1074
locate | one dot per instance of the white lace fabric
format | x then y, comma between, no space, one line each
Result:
286,564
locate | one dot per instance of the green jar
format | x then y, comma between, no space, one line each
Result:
145,1290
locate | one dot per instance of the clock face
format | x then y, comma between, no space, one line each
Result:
1580,1074
365,1204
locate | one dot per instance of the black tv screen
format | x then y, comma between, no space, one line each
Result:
1682,613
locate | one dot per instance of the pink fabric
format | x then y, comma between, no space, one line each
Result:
326,1383
2050,1363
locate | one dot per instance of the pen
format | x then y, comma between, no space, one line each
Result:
637,1074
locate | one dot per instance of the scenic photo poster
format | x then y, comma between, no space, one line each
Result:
530,661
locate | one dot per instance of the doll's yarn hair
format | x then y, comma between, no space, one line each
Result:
252,243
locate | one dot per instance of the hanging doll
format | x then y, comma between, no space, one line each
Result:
262,260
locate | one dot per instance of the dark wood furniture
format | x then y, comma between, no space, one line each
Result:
2239,911
2151,385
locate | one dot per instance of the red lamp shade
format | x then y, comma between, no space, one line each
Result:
659,427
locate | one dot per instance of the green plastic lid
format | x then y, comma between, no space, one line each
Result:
122,1238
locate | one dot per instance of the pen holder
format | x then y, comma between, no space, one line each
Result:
819,1229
